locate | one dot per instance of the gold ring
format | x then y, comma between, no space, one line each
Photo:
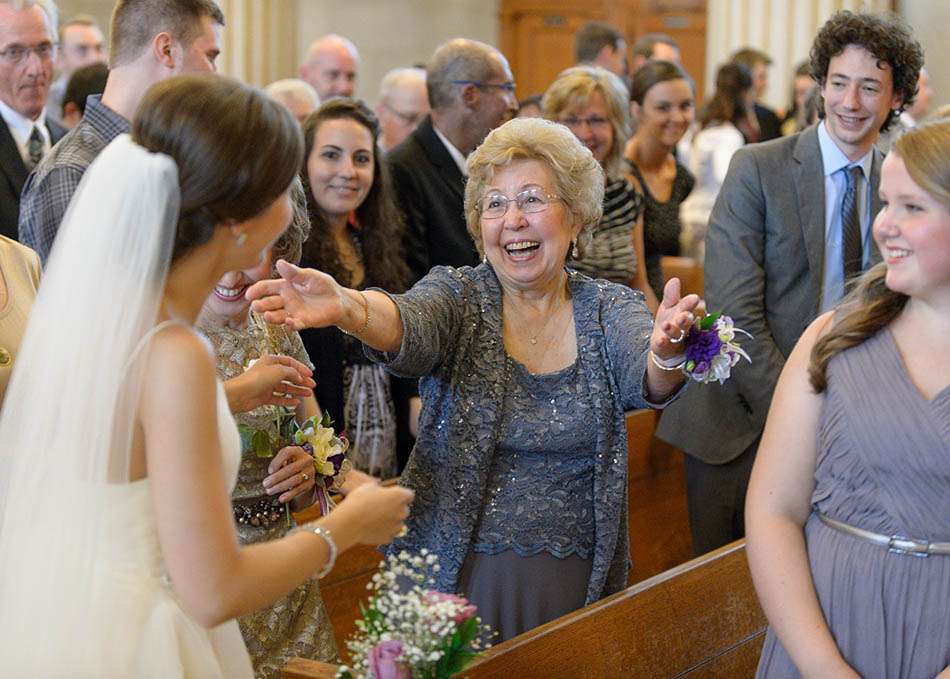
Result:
679,339
305,476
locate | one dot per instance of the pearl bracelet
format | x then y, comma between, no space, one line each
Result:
327,538
669,364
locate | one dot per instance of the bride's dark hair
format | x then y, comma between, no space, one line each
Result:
236,150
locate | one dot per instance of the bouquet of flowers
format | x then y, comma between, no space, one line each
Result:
413,634
712,350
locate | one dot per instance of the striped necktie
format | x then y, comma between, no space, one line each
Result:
852,256
35,147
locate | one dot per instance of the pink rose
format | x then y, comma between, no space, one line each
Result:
383,661
467,609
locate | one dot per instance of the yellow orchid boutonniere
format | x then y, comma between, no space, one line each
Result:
328,449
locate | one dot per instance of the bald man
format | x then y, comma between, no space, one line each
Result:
403,102
331,66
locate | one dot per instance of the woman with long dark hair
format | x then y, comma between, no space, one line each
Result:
356,236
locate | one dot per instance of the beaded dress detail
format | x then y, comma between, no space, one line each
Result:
298,624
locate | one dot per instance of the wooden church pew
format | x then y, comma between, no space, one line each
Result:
700,619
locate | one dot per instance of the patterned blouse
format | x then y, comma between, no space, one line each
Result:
610,254
297,624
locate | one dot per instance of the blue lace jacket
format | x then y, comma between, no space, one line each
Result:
453,340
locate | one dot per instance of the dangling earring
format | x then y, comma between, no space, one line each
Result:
575,254
242,237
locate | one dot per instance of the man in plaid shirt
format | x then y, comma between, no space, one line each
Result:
185,38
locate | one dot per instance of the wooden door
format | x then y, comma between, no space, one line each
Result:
537,36
538,39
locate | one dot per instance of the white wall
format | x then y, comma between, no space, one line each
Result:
391,33
930,20
783,29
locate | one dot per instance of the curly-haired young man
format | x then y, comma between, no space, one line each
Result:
790,227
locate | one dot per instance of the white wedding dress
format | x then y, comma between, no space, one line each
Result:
83,587
154,637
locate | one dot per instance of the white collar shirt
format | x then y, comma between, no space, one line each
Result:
21,128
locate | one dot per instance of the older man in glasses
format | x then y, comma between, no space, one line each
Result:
27,52
403,103
471,92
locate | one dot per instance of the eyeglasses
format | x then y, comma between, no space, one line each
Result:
408,118
495,205
594,122
508,86
14,54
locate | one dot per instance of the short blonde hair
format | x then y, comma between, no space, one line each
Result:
578,177
574,88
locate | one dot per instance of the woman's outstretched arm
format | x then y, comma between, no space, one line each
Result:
778,504
306,298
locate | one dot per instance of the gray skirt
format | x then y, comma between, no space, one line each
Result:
517,593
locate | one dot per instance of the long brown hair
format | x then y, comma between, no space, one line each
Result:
872,306
381,222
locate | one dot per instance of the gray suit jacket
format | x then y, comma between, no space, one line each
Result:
764,266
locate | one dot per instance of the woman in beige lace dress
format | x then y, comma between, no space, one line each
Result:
296,625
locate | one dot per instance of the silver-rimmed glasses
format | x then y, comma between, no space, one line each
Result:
14,54
495,204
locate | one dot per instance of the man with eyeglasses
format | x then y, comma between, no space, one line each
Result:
80,44
403,102
150,40
27,51
471,92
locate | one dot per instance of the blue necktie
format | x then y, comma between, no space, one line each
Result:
851,254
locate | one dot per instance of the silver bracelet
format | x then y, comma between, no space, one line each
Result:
327,538
668,364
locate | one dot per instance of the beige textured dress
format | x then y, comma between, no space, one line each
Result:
296,625
20,269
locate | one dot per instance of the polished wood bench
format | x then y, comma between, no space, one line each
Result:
700,619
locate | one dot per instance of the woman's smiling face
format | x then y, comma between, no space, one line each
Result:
526,249
340,166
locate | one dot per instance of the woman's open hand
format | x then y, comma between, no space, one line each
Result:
674,318
271,380
302,298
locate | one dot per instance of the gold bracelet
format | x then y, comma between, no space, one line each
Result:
365,303
668,364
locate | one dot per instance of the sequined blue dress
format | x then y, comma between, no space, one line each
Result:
520,479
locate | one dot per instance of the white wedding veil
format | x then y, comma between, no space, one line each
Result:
70,412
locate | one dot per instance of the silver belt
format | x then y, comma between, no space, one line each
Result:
894,543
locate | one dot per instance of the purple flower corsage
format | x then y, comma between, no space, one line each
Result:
712,350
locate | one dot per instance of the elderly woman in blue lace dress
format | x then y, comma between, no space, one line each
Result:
527,368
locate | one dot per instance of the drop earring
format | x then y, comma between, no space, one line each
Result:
242,237
575,254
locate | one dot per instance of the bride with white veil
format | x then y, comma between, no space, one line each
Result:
118,554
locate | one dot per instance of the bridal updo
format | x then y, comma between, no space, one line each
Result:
237,150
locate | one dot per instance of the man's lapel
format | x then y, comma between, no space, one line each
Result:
11,162
808,175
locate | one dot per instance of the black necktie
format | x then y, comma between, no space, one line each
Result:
35,147
851,254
